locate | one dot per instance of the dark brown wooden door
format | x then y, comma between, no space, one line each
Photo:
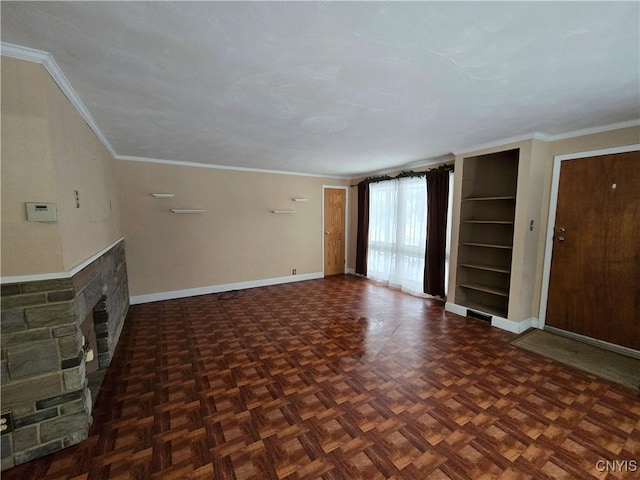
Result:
334,233
594,285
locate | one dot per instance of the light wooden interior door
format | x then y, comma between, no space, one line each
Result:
335,200
594,284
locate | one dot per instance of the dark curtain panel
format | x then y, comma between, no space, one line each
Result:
437,203
363,228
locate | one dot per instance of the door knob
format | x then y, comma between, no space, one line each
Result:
559,238
559,234
326,232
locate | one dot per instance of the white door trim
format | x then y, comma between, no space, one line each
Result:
346,223
553,206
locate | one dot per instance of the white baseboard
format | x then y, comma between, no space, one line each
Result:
351,271
193,292
511,326
457,309
496,321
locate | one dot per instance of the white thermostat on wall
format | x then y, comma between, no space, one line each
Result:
42,212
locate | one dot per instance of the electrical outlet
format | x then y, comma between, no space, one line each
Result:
293,272
6,423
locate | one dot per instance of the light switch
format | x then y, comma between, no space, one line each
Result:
42,212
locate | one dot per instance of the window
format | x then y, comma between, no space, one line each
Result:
397,232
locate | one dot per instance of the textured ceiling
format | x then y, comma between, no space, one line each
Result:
336,88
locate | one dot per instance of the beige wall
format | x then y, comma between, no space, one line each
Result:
585,143
237,239
524,241
27,172
48,151
352,221
534,191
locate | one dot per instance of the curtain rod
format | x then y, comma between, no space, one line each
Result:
405,174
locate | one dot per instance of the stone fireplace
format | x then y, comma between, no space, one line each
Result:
90,344
50,329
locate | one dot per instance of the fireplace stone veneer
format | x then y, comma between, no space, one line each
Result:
46,402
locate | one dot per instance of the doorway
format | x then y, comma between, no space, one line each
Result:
334,229
592,266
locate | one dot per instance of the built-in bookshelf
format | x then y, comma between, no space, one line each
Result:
486,232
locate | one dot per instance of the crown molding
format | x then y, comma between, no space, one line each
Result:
448,158
500,143
47,60
23,53
549,138
130,158
49,63
443,159
592,130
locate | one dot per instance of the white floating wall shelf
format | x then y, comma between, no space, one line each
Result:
176,210
283,211
300,199
163,195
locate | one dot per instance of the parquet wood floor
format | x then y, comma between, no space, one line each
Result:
340,379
